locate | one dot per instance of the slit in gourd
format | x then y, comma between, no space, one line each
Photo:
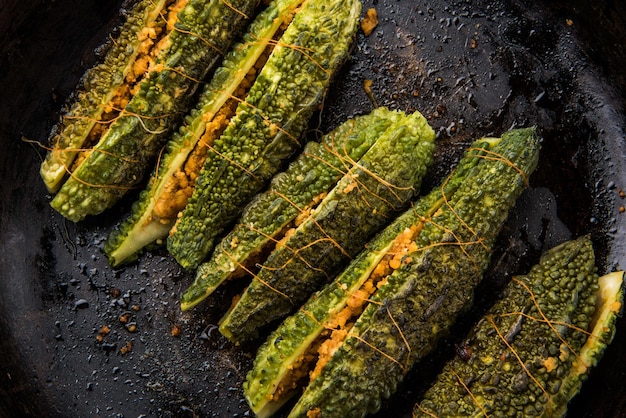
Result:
173,197
309,364
152,38
250,266
173,182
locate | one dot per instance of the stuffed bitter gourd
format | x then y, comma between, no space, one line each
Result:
266,128
202,32
104,88
367,197
532,351
274,379
170,186
420,281
291,196
436,281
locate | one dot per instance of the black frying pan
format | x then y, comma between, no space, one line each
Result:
473,68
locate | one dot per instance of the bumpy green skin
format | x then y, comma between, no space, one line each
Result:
267,127
609,308
95,90
563,286
131,143
314,172
296,333
141,228
386,178
421,299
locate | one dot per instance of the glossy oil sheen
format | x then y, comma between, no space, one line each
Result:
472,71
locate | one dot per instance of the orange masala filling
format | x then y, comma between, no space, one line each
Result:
337,328
152,39
179,187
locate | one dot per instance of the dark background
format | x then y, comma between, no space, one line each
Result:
473,68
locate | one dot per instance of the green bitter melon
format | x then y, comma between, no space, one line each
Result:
532,351
104,88
362,333
267,126
291,195
128,142
170,186
367,197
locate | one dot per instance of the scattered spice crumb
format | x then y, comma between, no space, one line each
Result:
622,209
176,331
569,22
127,348
102,332
369,21
621,193
351,186
367,87
125,317
314,413
550,364
132,327
135,308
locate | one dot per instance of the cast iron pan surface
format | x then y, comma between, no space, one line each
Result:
473,68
